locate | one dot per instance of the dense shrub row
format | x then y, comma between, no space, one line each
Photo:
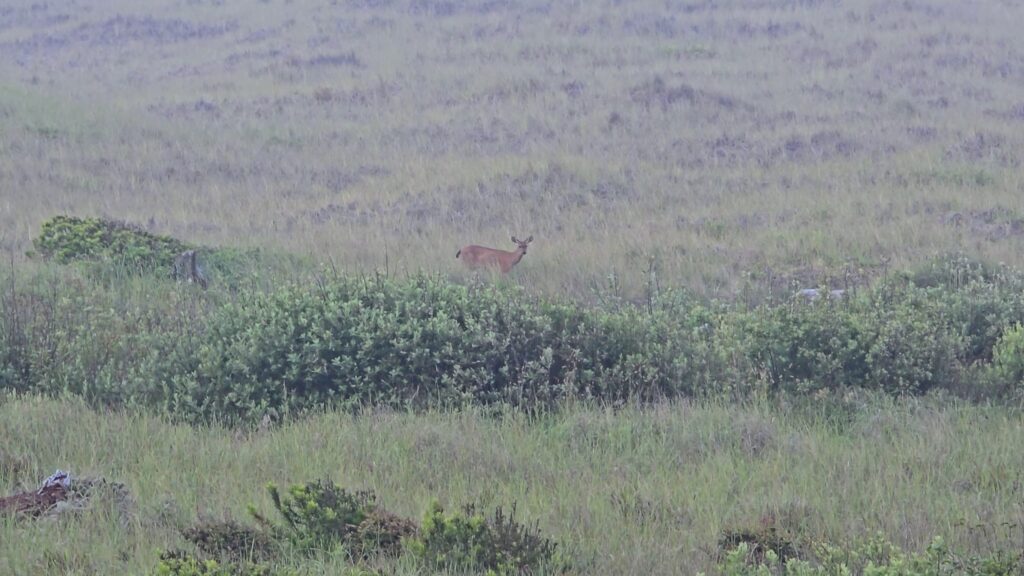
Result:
425,341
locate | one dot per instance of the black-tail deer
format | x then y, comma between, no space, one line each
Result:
482,257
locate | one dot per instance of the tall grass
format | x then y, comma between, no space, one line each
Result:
728,145
632,491
739,149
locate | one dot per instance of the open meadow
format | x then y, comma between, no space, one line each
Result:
723,143
642,389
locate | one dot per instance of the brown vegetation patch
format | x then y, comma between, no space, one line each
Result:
37,15
446,8
60,494
761,539
820,146
33,503
993,224
983,147
382,533
329,60
658,93
230,540
121,30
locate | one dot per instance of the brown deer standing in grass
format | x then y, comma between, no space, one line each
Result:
481,257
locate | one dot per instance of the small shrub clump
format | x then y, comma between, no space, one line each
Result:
497,545
229,540
383,533
759,544
67,239
1007,366
180,563
317,517
875,557
320,516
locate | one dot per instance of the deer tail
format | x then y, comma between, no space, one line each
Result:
457,253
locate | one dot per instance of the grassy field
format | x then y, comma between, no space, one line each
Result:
627,492
721,144
735,149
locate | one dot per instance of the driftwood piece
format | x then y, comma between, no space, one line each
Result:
60,493
187,269
35,503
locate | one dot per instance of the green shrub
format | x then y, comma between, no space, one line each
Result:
876,557
460,540
469,540
978,300
382,533
241,354
116,249
1007,369
518,547
760,544
67,239
320,516
179,563
895,339
806,347
229,540
909,346
424,341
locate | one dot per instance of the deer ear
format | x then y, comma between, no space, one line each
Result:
514,240
530,239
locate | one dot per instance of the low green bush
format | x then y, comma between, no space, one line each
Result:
425,341
896,337
1008,355
180,563
320,516
495,545
876,557
231,541
110,250
68,239
759,544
